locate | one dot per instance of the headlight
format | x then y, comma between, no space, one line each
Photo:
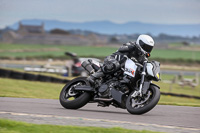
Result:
158,76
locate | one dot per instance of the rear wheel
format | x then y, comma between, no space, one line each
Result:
141,105
71,99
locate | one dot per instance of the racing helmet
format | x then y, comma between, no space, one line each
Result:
146,42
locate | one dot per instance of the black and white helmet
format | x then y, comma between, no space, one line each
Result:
146,42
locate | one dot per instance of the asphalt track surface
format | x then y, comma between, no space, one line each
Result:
162,118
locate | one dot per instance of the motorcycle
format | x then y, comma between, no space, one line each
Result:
129,88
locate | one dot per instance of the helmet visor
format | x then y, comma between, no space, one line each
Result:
146,47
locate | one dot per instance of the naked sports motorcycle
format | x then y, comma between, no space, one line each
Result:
129,88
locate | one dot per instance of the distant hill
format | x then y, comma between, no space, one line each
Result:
107,27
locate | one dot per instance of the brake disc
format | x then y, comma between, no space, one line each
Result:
134,103
71,90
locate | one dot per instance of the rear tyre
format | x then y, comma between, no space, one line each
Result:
71,99
133,104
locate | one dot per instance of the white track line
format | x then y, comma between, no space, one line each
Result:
100,120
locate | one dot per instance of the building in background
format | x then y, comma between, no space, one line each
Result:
36,34
31,29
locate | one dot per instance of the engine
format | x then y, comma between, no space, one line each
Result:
104,91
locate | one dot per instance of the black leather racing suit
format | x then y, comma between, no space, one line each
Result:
114,62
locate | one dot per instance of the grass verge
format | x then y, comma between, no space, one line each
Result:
179,101
9,126
30,89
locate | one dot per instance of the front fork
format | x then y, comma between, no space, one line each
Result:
139,92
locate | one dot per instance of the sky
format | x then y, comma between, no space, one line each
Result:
118,11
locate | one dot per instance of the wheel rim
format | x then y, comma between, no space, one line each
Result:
70,94
140,102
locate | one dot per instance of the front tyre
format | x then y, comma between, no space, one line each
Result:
71,99
142,105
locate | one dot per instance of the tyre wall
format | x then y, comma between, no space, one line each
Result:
31,77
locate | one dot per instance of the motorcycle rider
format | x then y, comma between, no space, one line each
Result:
138,50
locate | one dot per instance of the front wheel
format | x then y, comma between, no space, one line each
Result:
141,105
71,99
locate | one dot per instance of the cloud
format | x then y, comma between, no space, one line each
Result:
120,11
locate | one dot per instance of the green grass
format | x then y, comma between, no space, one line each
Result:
88,51
179,101
9,126
30,89
187,90
176,44
175,54
80,50
179,44
5,46
176,88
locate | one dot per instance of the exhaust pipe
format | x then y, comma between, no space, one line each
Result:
103,99
88,67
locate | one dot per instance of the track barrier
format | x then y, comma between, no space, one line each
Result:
31,77
180,95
